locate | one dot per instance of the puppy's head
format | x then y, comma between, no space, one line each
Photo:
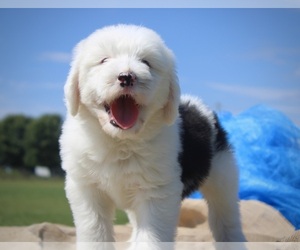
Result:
125,77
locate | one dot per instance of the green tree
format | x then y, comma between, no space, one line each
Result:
12,132
41,142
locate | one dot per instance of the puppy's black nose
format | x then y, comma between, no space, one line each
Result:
126,79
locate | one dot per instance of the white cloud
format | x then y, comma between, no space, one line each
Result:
29,86
273,55
293,110
31,99
61,57
261,93
286,100
32,109
297,72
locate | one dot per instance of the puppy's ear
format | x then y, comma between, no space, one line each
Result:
171,108
71,88
72,95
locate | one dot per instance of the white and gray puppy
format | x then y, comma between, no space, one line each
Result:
130,142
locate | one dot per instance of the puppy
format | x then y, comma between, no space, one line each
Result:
129,141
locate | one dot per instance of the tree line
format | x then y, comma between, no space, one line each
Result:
26,142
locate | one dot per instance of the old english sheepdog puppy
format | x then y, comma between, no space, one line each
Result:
131,142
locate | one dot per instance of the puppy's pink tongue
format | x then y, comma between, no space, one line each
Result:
125,112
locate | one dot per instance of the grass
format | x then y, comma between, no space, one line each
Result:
29,200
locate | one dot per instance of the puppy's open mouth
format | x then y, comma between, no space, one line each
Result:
123,112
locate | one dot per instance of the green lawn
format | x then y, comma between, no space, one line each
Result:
26,201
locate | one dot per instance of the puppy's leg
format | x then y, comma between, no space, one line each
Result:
221,192
154,222
93,212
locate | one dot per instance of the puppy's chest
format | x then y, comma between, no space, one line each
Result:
124,172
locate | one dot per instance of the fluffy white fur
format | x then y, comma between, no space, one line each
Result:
135,169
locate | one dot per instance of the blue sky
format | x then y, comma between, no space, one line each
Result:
232,58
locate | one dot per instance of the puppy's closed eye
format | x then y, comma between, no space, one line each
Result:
104,60
146,62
